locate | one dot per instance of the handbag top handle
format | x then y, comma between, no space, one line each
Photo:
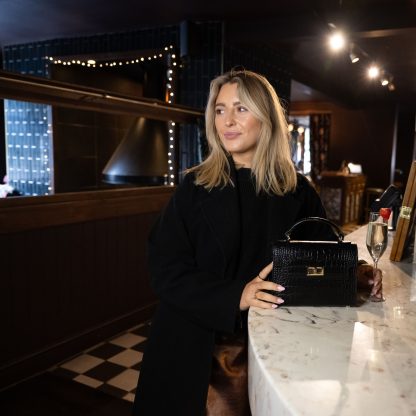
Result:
335,227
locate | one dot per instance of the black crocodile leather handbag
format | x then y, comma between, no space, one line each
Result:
315,273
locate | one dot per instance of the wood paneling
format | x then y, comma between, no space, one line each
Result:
18,214
73,273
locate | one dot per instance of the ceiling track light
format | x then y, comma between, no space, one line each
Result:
337,41
354,57
373,72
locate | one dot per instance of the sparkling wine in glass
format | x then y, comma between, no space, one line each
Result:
376,237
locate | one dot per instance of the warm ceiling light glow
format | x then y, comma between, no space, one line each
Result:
91,62
337,41
391,87
384,82
373,72
290,127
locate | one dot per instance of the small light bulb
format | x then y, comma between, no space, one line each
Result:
373,72
337,41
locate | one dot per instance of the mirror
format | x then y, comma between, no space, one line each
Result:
55,149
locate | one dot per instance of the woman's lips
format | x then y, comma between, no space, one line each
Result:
231,135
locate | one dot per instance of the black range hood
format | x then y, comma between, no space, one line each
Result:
141,158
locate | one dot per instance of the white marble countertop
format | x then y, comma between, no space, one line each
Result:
338,361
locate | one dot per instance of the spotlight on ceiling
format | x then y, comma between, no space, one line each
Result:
373,72
353,54
384,81
337,41
354,58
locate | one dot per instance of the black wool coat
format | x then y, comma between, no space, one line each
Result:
193,257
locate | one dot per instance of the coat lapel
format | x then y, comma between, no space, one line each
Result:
221,211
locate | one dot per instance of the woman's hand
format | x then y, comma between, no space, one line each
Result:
366,279
253,294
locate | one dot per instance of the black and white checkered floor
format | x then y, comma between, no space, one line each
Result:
112,366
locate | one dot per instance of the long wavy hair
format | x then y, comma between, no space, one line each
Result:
272,167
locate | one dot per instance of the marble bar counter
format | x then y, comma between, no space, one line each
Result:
338,361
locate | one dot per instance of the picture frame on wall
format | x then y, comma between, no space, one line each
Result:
406,223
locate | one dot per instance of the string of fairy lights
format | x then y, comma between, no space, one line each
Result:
167,54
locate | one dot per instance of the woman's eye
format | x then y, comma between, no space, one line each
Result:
242,109
219,111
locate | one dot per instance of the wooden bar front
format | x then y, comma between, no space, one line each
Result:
73,273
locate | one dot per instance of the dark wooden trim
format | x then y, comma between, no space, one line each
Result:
41,90
22,213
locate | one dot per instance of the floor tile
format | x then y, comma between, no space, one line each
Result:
127,340
113,391
127,358
82,363
112,366
106,350
139,347
137,366
88,381
129,397
127,380
105,371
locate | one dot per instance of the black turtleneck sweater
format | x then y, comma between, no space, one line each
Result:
253,217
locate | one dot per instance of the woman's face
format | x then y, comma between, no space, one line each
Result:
237,127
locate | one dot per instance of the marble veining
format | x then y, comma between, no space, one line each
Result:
338,361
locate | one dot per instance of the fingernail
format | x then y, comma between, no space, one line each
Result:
274,306
280,301
370,281
281,288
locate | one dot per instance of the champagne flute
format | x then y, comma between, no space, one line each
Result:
376,240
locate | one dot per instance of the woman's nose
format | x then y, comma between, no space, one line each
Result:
229,119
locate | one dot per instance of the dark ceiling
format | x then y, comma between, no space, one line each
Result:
385,30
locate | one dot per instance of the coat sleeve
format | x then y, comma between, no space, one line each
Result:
209,300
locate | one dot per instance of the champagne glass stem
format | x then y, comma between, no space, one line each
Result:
374,298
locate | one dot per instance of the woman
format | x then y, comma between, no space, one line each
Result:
209,252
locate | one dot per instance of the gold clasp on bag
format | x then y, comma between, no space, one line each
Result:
315,271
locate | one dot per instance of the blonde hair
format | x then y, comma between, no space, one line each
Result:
271,166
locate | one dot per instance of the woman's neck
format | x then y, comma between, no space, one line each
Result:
242,162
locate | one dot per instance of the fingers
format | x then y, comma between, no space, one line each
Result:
266,300
365,275
253,295
265,272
